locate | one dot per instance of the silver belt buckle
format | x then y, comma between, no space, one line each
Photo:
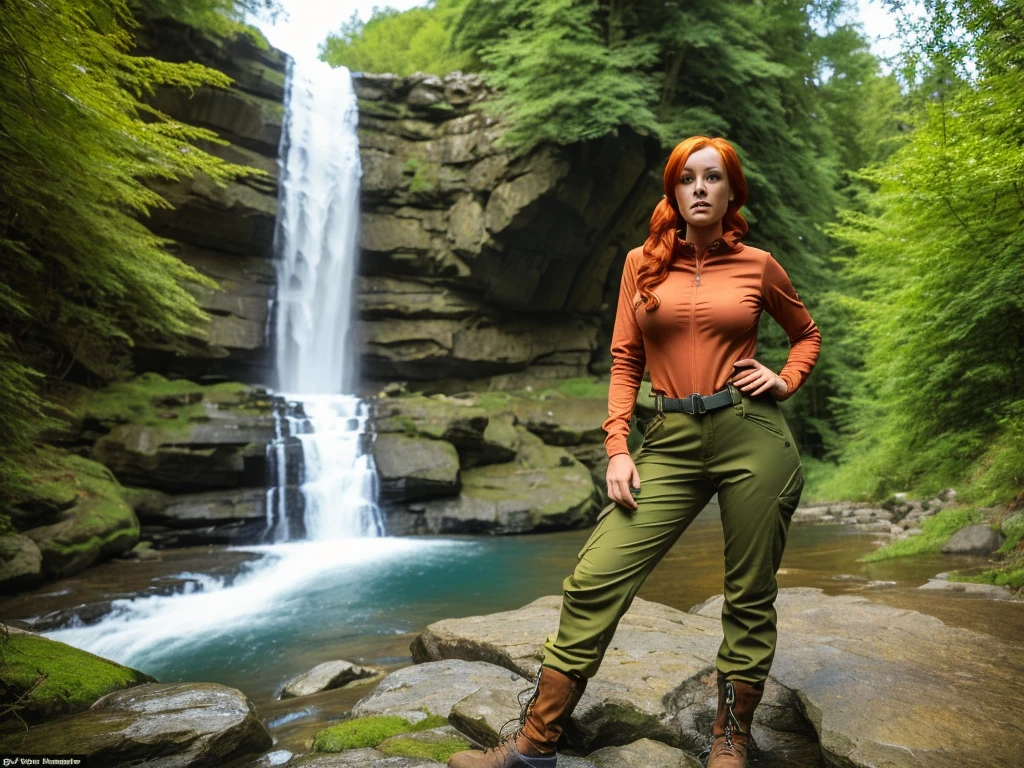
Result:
659,402
696,398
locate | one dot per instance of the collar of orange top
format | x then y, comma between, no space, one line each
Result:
728,242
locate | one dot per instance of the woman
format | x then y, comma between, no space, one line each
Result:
688,309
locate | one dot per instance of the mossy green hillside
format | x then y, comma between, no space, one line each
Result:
369,732
44,678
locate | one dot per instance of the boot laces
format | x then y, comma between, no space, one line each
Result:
731,723
506,735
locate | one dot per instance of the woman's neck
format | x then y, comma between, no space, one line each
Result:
702,237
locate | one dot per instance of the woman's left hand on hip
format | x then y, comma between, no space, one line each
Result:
753,378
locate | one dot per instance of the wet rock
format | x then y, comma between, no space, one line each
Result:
974,540
564,422
412,468
644,753
545,488
226,451
654,650
941,704
96,528
197,510
482,715
434,688
480,429
991,591
21,563
185,724
361,758
326,676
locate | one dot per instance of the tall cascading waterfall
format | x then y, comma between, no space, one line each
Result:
323,483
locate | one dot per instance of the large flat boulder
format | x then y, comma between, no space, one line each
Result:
883,686
165,725
877,685
656,652
434,688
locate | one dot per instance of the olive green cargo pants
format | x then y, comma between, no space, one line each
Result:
747,454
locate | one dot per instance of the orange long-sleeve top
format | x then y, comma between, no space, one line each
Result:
711,305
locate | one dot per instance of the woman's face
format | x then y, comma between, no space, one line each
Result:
703,192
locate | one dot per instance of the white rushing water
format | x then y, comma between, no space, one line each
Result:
320,439
323,524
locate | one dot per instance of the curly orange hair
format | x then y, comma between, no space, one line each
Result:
666,220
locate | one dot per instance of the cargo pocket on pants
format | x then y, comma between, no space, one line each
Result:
790,495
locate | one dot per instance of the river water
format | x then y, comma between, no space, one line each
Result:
251,618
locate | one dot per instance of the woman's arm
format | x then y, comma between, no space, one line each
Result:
782,302
628,360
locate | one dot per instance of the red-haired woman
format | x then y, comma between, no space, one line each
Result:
689,305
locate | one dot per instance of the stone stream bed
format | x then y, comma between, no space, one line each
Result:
871,669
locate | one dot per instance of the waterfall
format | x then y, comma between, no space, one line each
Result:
322,482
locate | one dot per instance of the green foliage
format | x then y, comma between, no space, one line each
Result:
939,310
84,280
935,531
369,731
424,175
558,79
217,18
797,93
398,42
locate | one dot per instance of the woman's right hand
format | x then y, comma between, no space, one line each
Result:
620,477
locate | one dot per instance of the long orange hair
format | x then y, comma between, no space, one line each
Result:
666,220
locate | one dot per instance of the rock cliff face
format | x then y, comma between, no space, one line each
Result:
477,267
480,267
227,232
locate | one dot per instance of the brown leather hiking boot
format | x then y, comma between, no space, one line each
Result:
541,723
730,738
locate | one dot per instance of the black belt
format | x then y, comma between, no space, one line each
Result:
697,403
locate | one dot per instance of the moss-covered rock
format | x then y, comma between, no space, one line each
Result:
369,731
545,488
174,725
179,436
152,400
43,679
478,425
100,523
435,744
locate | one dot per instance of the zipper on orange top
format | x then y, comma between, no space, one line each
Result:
693,328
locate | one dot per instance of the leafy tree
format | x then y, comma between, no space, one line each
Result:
398,42
938,256
83,279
